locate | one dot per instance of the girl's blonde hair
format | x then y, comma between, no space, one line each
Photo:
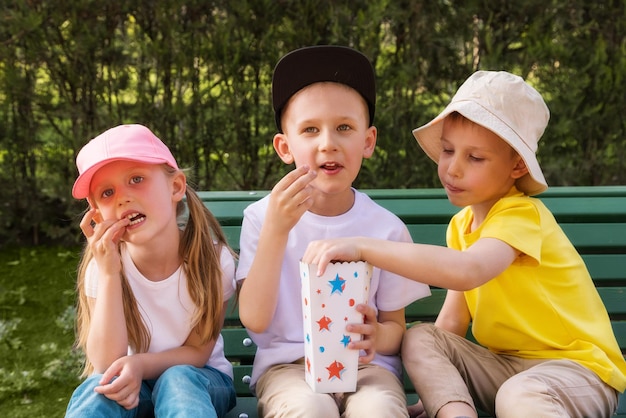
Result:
200,249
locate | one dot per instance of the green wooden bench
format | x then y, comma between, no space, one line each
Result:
594,218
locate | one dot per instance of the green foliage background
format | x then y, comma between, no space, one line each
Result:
198,73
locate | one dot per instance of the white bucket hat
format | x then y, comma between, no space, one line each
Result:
507,106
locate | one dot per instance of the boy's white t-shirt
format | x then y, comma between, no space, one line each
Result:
166,307
283,341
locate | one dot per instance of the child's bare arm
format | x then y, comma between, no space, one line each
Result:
392,325
289,199
454,315
431,264
107,338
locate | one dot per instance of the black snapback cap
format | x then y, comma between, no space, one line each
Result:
313,64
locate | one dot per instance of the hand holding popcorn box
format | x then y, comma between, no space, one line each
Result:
328,305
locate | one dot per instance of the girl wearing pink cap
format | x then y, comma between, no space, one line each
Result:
151,297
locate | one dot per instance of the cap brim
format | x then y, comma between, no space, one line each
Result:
80,190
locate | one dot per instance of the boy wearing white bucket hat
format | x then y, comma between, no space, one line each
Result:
547,348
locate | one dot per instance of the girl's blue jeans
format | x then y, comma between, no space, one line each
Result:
181,391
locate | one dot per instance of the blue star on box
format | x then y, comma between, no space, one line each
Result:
346,340
338,285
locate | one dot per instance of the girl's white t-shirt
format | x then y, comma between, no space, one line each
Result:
166,307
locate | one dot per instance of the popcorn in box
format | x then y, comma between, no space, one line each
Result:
328,305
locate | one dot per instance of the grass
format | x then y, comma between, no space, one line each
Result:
38,368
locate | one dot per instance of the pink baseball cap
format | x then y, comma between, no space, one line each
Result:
121,143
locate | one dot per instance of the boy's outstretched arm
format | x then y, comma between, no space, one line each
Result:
289,199
431,264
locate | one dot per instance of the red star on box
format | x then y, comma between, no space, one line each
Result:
324,323
334,370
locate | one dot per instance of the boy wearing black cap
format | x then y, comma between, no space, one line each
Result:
324,100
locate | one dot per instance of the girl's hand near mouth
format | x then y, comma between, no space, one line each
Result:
103,238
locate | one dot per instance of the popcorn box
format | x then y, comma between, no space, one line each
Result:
328,305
